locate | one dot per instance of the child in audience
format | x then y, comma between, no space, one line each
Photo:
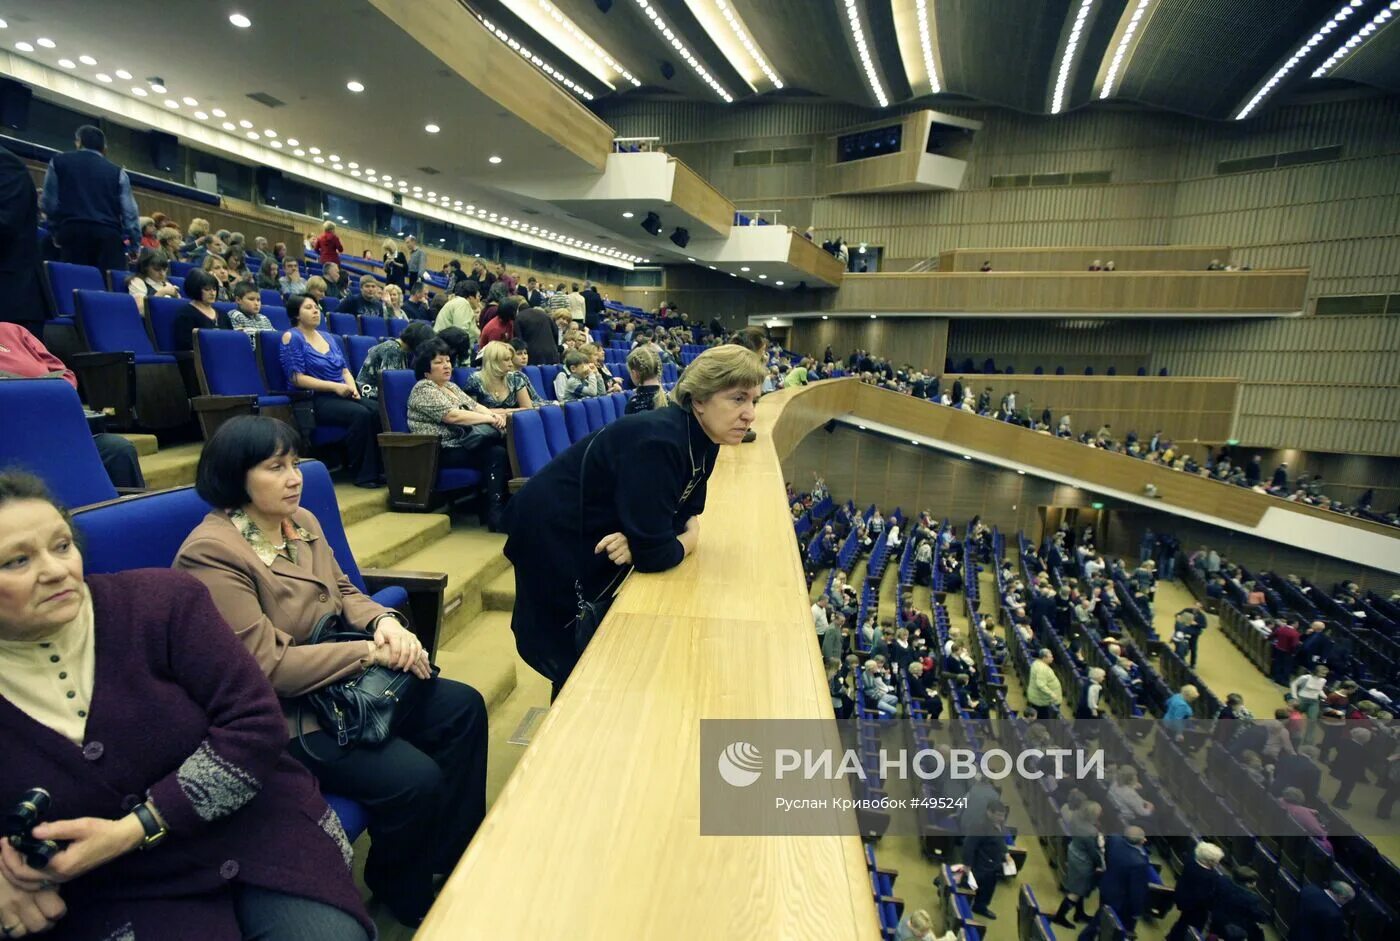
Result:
645,369
248,315
573,384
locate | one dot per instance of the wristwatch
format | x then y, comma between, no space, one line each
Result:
156,832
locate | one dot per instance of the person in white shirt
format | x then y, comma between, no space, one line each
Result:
1309,689
819,618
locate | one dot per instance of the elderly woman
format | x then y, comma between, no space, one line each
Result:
627,495
1085,861
178,810
395,265
470,434
498,385
273,577
316,363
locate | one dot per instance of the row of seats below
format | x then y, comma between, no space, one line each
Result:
540,435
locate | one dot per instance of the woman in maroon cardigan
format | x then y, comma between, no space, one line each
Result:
178,811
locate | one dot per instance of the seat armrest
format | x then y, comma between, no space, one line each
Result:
425,600
411,466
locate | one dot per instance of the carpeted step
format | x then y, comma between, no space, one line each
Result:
483,656
145,444
171,467
500,594
471,557
358,504
387,538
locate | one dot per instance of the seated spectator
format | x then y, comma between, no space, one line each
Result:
158,653
498,385
393,303
171,243
1109,265
216,267
337,281
369,301
24,356
149,280
394,353
1124,795
986,265
1096,265
273,578
291,283
416,304
879,695
148,232
238,266
644,368
315,362
200,313
603,379
470,434
574,382
1293,803
316,290
248,315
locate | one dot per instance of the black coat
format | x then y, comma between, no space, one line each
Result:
592,308
638,471
984,853
1300,772
537,330
1197,888
1123,885
1318,918
1239,906
19,245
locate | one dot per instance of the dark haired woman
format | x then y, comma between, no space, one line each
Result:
471,435
150,278
180,812
315,362
202,289
273,577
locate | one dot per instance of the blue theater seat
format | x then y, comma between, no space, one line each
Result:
161,313
397,325
620,403
670,373
63,279
537,380
275,381
529,450
411,461
345,325
116,280
272,297
548,374
277,316
610,412
330,305
358,348
556,433
182,268
461,375
46,433
372,325
121,370
593,409
576,420
229,382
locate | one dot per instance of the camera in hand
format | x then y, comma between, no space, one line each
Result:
19,822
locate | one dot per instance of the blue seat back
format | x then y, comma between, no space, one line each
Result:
620,403
225,307
117,279
576,420
537,381
139,532
111,322
610,413
330,305
461,374
182,268
276,314
227,363
531,449
593,409
344,325
162,312
43,430
359,348
271,297
373,325
548,374
396,326
269,346
179,284
394,388
64,279
556,433
318,496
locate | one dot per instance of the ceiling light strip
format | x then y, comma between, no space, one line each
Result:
1301,53
863,50
1076,32
587,42
1360,37
925,18
535,60
675,40
731,17
1121,51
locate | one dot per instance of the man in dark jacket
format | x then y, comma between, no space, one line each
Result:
89,206
984,853
1197,890
1238,904
1280,481
1300,771
368,302
592,306
416,304
1123,886
19,247
535,327
1319,914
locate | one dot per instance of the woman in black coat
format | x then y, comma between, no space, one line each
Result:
627,495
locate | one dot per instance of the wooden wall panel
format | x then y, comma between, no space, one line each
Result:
921,342
1125,257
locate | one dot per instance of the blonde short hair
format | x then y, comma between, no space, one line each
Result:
198,227
316,282
497,359
210,261
921,922
389,246
715,370
328,226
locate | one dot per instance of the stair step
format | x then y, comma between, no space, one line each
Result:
471,557
387,538
358,504
145,444
484,657
171,467
499,595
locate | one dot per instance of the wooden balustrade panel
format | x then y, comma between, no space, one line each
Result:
1125,257
803,253
694,194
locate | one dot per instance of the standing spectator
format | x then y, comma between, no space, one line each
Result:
1123,886
1390,784
1349,767
1084,862
592,305
578,307
327,244
20,283
1253,472
1179,711
1043,692
395,264
1239,905
1088,706
819,616
1197,889
984,853
417,259
1319,913
88,202
1307,690
1280,481
1285,640
502,326
1193,622
535,327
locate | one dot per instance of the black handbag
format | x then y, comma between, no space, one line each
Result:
363,710
590,612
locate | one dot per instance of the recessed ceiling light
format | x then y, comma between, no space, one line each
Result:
337,166
245,123
158,88
432,195
171,103
253,135
230,126
239,20
275,144
778,283
431,128
713,268
46,42
123,74
1021,473
318,159
763,276
299,152
218,113
314,150
138,91
825,317
67,64
743,268
24,47
627,215
354,86
269,133
293,142
190,101
103,77
493,159
416,189
354,172
202,115
352,164
334,158
87,60
4,25
872,316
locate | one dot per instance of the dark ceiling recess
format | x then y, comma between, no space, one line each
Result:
430,171
263,98
668,71
604,5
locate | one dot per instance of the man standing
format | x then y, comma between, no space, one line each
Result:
19,247
1285,639
984,853
417,259
1193,621
88,202
536,328
1197,890
1280,481
592,306
1237,903
1043,692
1123,886
1253,472
578,307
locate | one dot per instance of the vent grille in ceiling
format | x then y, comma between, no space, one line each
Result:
263,98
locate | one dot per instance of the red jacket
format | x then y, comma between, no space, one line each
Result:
22,355
498,329
1285,638
328,247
